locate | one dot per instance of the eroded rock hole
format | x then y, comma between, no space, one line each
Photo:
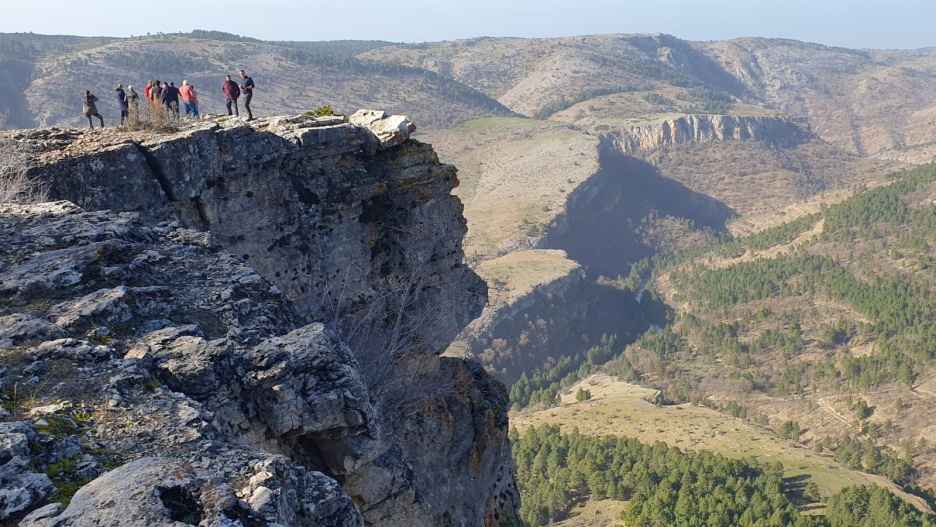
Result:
182,506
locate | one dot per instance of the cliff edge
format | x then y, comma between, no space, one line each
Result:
240,325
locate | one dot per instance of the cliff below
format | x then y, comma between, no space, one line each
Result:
712,128
247,333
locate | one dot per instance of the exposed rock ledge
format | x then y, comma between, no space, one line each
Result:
712,128
152,345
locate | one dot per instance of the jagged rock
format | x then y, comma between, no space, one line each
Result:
158,491
104,306
185,362
20,488
315,496
306,382
149,491
390,130
654,397
445,432
48,409
19,328
51,270
42,516
69,348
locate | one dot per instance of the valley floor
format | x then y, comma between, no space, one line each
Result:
621,409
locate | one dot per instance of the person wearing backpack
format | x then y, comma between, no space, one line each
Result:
133,103
122,102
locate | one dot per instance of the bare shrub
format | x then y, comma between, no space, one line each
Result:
388,328
16,184
157,119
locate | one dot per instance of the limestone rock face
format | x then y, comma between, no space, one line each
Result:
310,203
195,329
156,491
712,128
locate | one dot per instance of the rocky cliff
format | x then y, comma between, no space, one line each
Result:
712,128
246,334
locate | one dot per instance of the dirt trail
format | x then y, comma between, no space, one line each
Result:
824,404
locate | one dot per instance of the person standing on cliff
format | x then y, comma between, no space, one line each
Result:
122,102
231,93
156,93
90,108
248,88
189,99
133,103
170,97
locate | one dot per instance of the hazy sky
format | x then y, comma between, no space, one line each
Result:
850,23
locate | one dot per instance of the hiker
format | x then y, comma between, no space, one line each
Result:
146,92
170,97
156,93
248,88
133,104
189,99
231,93
90,109
122,102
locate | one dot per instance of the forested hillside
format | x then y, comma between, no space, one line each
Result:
820,329
665,486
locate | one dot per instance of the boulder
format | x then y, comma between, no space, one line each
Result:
390,131
18,328
20,488
104,306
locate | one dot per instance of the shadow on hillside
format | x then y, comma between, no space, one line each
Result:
600,228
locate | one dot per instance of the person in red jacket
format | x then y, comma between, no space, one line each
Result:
231,93
189,99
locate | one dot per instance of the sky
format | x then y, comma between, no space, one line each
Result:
880,24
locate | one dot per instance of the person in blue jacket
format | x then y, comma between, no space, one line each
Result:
247,88
124,106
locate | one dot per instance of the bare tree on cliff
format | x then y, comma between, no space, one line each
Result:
16,186
387,325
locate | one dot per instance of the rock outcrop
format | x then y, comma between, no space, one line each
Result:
200,333
712,128
322,208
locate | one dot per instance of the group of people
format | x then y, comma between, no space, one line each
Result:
166,95
232,92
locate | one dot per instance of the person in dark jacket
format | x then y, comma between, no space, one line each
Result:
133,105
156,93
122,102
231,93
248,88
170,97
90,109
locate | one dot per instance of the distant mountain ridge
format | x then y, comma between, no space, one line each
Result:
44,77
865,102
